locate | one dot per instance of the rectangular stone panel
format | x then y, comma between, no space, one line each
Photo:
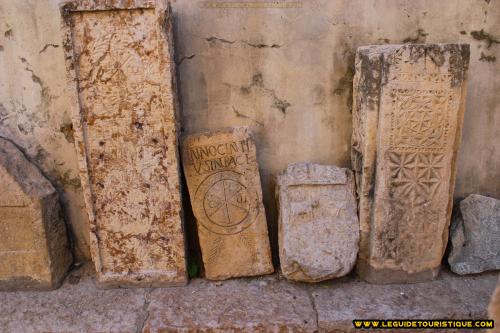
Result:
318,222
120,65
407,118
224,185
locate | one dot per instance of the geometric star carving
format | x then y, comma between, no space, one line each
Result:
415,177
419,119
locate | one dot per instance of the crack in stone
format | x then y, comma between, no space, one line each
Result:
181,60
241,115
45,92
47,46
217,39
260,45
254,45
313,304
144,315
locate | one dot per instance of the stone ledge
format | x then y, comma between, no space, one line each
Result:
265,304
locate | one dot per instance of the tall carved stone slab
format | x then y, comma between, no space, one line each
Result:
407,119
318,222
120,65
34,249
224,185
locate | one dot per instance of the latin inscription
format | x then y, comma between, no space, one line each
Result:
222,156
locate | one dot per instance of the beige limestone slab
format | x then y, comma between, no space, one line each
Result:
223,179
120,67
318,222
34,249
407,120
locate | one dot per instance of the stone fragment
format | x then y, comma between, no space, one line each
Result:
120,65
34,249
224,185
407,118
475,236
318,222
494,308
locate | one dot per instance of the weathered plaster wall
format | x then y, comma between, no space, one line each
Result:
285,72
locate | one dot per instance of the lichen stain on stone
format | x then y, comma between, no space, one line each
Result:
9,34
345,82
482,35
258,83
370,81
67,130
417,39
67,180
487,58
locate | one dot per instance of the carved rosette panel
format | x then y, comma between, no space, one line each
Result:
128,132
405,212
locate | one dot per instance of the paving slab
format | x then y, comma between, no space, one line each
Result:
448,297
78,306
265,304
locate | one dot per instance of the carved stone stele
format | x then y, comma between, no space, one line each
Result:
34,249
120,70
407,118
223,179
318,222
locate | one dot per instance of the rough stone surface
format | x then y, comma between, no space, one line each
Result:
120,56
407,119
266,304
318,222
224,185
494,308
257,305
34,249
77,307
302,60
475,236
449,296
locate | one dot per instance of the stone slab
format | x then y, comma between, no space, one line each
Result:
266,304
244,305
77,307
223,179
449,296
408,107
318,222
475,235
121,72
34,248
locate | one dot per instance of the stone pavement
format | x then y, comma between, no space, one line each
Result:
265,304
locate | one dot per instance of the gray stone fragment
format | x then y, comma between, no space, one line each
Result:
475,236
318,222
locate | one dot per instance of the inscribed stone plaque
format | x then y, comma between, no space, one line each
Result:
120,57
407,119
34,249
318,222
224,185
